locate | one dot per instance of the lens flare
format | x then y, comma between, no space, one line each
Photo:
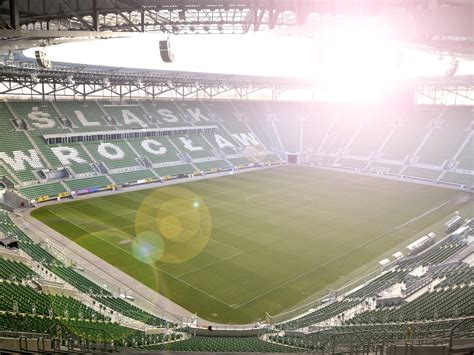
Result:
148,247
176,224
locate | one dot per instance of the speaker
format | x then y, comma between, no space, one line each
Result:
42,59
453,68
165,51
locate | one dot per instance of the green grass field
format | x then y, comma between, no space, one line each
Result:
232,248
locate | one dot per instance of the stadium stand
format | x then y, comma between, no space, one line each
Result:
174,170
28,309
223,344
432,303
50,190
11,269
84,118
24,299
133,176
437,141
129,115
96,182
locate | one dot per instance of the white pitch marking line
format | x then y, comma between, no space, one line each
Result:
207,265
349,252
164,272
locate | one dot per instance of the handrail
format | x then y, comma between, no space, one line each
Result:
40,341
451,333
26,343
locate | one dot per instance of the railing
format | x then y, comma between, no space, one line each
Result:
296,312
453,329
383,341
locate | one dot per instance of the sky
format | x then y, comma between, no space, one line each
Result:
345,59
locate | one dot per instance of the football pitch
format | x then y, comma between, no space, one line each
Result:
234,247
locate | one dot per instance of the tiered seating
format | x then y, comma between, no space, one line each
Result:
227,119
366,142
241,161
391,169
380,283
131,311
409,134
345,124
9,228
465,158
223,344
133,176
257,116
88,183
80,282
14,140
6,117
360,337
447,137
439,304
153,109
458,275
80,168
212,165
93,331
458,178
197,141
169,156
17,141
321,314
116,111
27,300
128,161
268,158
174,170
4,173
10,269
26,110
440,254
288,123
23,109
415,171
34,191
91,112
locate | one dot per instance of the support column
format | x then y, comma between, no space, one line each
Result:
95,16
14,15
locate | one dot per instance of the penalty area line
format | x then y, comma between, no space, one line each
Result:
207,265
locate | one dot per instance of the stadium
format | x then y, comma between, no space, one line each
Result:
237,176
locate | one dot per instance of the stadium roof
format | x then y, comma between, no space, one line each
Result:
439,25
